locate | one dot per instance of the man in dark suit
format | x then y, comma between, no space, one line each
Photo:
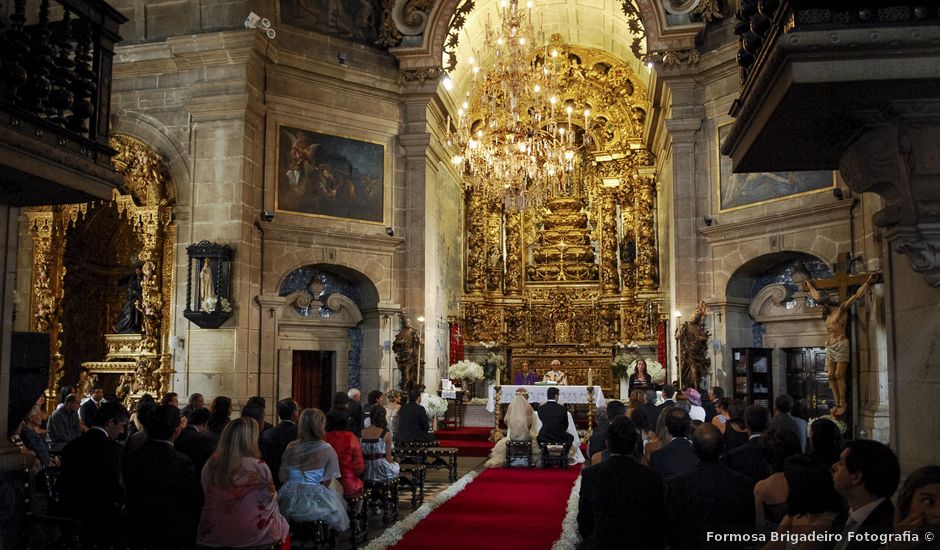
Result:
91,486
783,420
598,438
413,423
708,497
274,441
677,456
554,419
652,411
669,393
88,408
750,459
163,492
621,502
195,441
355,411
711,405
257,402
867,474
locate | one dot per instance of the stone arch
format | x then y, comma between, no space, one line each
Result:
365,284
361,265
739,284
156,134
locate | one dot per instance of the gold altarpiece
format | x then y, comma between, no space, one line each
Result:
572,277
80,251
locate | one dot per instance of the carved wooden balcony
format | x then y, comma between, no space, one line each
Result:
55,88
809,69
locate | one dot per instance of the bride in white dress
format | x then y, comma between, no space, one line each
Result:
523,425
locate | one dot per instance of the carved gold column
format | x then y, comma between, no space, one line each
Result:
514,256
476,244
494,247
46,301
608,229
646,257
628,243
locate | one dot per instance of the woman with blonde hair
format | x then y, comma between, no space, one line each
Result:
391,409
637,400
240,509
309,465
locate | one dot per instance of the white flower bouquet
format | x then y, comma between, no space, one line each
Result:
209,305
465,370
654,367
435,406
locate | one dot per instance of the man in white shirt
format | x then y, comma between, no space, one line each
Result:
556,375
867,474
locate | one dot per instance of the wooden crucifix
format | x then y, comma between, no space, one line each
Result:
836,315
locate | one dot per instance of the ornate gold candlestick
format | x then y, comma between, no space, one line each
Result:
496,434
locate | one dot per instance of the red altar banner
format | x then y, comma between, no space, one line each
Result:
456,343
661,348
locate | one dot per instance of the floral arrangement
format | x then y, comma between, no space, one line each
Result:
490,363
209,305
434,405
839,424
465,370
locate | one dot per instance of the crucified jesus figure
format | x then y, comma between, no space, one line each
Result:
837,345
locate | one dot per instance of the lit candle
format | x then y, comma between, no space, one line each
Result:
497,376
590,377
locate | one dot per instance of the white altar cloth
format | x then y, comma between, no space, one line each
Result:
537,394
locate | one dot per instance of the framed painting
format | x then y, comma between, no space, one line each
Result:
751,189
329,176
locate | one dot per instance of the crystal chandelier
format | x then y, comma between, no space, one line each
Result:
517,137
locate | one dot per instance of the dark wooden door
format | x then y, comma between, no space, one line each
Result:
807,381
312,378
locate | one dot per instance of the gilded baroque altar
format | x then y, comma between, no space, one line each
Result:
574,274
83,256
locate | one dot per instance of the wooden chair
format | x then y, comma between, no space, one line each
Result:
414,481
443,458
383,495
518,450
555,454
312,534
357,507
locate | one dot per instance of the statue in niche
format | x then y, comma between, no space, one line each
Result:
692,340
407,346
131,320
206,290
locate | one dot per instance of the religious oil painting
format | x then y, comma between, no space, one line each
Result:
332,176
352,19
750,189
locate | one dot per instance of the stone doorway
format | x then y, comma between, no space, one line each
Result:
312,378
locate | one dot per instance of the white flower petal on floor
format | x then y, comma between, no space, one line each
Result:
569,538
396,532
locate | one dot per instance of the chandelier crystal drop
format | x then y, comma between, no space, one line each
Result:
518,136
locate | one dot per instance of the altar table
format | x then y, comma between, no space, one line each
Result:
537,394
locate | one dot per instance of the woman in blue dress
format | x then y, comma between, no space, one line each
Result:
308,465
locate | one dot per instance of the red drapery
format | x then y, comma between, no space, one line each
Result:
456,343
661,348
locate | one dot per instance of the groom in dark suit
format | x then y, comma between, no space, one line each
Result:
621,502
554,419
867,474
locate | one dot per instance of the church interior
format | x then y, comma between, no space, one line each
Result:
293,199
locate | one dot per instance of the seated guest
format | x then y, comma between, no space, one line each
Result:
721,418
652,411
256,413
812,501
708,497
770,494
621,501
90,484
171,398
555,375
64,424
163,494
377,449
196,402
825,442
918,507
696,411
391,409
640,379
355,411
348,451
749,459
735,433
137,440
524,377
867,474
598,440
240,505
520,421
661,436
554,419
645,431
259,402
221,409
136,423
195,441
783,404
88,408
274,441
710,405
34,437
677,456
307,467
413,423
375,397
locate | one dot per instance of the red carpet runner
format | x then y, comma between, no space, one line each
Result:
469,441
502,508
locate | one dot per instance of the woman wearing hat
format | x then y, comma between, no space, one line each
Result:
696,412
